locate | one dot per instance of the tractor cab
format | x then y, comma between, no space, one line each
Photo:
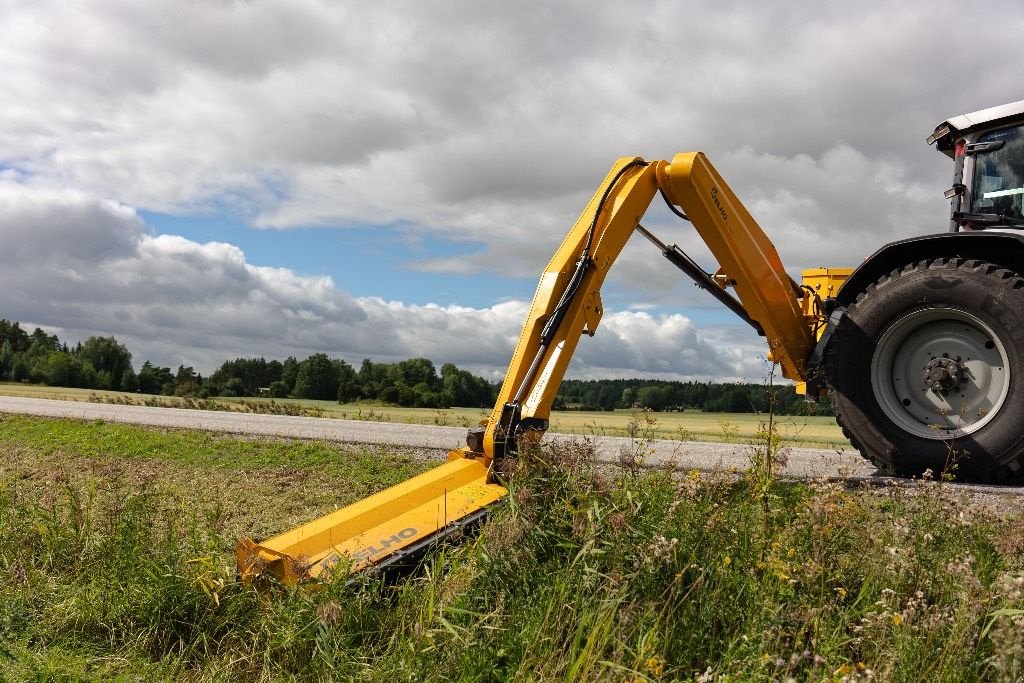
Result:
987,148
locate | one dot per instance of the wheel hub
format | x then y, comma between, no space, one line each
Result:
938,372
944,375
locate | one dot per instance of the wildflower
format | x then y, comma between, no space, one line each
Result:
841,592
726,561
656,666
897,619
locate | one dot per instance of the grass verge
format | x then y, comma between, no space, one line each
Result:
114,566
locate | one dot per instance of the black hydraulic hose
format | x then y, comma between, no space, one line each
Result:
584,263
553,322
672,207
604,198
572,288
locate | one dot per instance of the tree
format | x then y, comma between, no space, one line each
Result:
104,380
348,382
629,397
154,380
464,388
390,394
234,387
374,378
279,389
739,401
289,372
12,332
253,373
46,341
416,370
109,358
62,370
317,378
146,379
6,359
129,381
187,381
19,369
653,397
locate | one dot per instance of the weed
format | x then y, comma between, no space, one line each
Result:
640,430
115,564
766,456
728,431
234,405
370,415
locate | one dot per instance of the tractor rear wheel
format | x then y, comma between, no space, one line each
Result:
927,371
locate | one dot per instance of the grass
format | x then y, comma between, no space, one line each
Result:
808,431
261,486
114,565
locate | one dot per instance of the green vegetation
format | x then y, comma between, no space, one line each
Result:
104,364
115,565
662,395
101,363
811,431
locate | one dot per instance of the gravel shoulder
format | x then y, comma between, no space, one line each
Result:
801,462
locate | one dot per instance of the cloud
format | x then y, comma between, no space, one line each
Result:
483,125
478,121
88,266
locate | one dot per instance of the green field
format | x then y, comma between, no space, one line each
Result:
809,431
115,565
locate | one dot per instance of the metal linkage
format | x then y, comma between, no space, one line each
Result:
683,262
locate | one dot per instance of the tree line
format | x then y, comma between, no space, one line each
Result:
104,363
667,395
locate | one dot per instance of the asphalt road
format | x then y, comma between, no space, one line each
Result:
801,462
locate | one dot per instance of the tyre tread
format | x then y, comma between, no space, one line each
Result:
1013,468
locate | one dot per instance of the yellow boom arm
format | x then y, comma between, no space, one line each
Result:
748,260
566,305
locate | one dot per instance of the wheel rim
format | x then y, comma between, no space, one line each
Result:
940,372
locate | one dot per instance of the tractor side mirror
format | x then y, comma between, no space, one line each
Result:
955,191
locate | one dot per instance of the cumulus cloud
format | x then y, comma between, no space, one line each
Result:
176,301
461,122
462,116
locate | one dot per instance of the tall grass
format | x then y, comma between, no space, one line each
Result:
583,575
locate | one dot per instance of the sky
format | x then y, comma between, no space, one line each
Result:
210,180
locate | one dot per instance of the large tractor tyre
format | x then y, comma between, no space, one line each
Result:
927,371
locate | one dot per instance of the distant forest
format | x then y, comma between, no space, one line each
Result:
104,363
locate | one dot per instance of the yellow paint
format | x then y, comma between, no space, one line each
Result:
623,210
371,530
825,282
745,254
375,527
